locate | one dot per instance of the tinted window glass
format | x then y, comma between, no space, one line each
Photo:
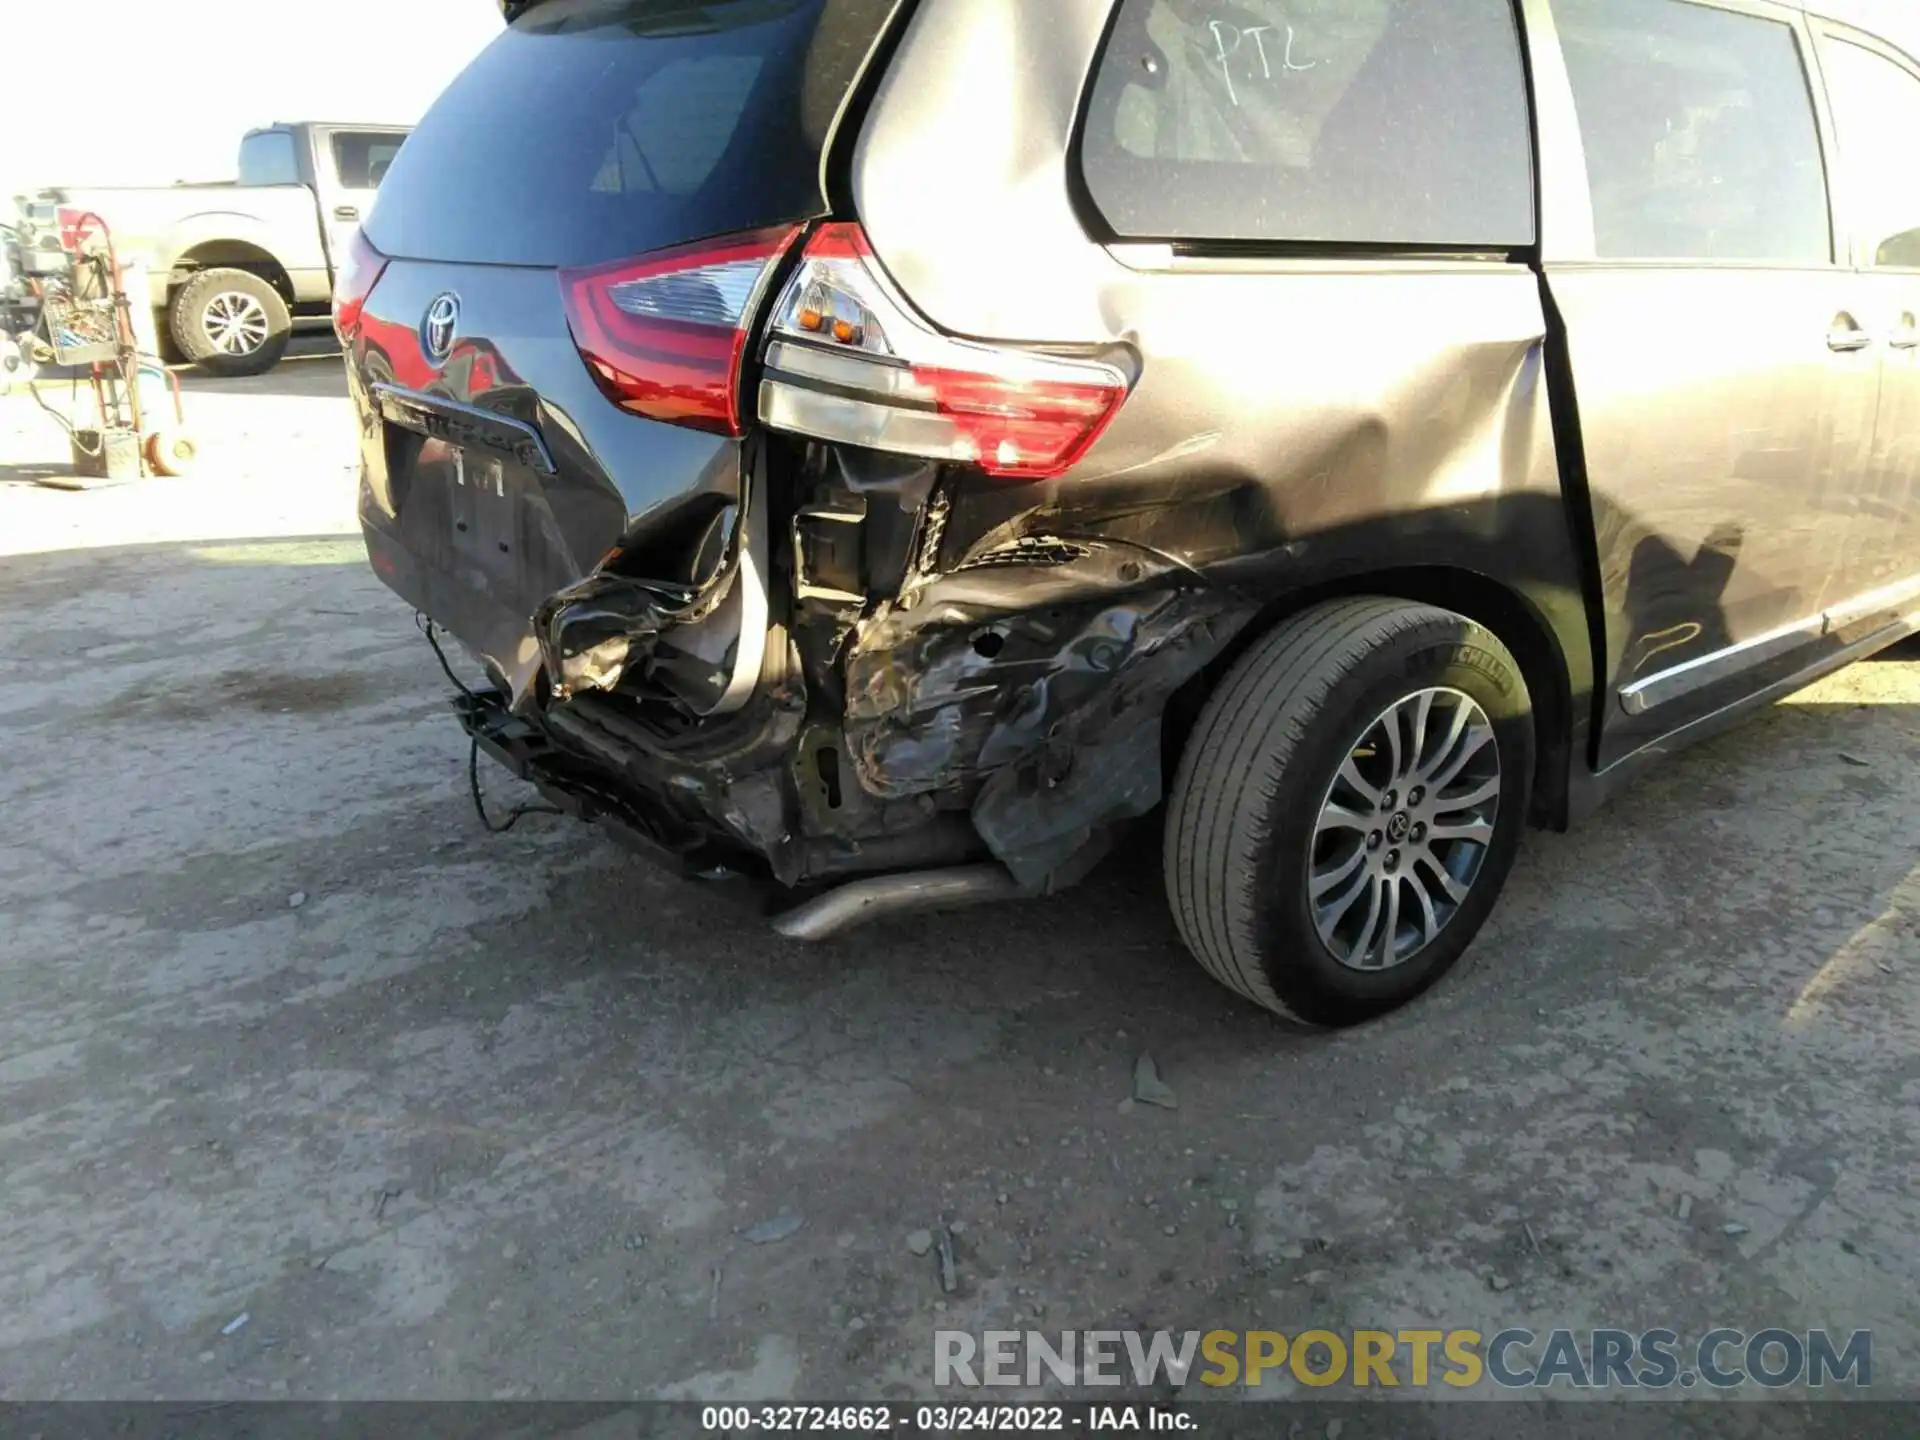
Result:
1378,121
269,159
597,129
1700,133
682,118
1876,108
361,157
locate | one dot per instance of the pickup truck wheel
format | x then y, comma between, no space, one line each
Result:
1348,808
231,322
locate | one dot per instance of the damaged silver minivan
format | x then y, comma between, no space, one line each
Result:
890,446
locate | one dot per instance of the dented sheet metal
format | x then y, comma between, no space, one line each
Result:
970,694
1090,750
968,721
1049,715
590,634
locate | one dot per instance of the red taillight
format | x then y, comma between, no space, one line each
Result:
664,335
359,271
849,361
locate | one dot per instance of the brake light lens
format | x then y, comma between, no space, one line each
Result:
359,271
849,361
665,334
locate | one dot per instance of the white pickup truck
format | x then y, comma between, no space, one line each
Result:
233,265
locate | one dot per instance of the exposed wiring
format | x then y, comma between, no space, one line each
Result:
514,816
66,424
519,812
429,629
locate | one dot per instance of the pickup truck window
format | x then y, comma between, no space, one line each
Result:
361,157
269,158
1876,108
1699,131
1338,121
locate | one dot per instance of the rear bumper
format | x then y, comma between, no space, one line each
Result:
935,754
1008,711
696,813
491,629
582,788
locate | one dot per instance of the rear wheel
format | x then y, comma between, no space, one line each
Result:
1348,808
231,322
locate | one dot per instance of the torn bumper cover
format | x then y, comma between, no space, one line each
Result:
951,728
1048,720
591,634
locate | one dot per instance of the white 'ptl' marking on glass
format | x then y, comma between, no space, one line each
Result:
1259,33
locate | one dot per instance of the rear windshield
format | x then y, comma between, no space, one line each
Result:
597,129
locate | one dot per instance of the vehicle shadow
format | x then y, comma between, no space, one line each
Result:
1906,650
312,367
35,473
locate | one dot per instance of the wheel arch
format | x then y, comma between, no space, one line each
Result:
1517,620
231,254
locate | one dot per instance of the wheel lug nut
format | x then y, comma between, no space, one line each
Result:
1416,795
1393,860
1419,834
1390,800
1373,840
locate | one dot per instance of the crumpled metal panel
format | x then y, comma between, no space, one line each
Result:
962,693
592,632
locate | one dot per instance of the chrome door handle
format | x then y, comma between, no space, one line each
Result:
1907,339
346,212
1843,340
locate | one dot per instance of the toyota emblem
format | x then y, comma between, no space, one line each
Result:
437,330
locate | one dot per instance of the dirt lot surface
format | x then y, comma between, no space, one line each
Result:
285,1035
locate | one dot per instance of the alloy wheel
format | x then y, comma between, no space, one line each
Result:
1404,829
236,323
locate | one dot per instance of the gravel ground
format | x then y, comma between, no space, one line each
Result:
284,1034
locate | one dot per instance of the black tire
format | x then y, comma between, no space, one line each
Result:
1259,767
169,349
189,321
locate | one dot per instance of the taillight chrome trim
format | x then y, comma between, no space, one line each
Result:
880,377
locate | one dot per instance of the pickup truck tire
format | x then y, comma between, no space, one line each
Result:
230,322
1367,762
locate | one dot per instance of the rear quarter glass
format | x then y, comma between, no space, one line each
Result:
592,130
1368,122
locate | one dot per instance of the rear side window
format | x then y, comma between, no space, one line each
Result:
1876,108
595,130
361,157
1699,130
1389,122
269,158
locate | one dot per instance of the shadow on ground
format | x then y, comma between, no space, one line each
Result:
312,368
